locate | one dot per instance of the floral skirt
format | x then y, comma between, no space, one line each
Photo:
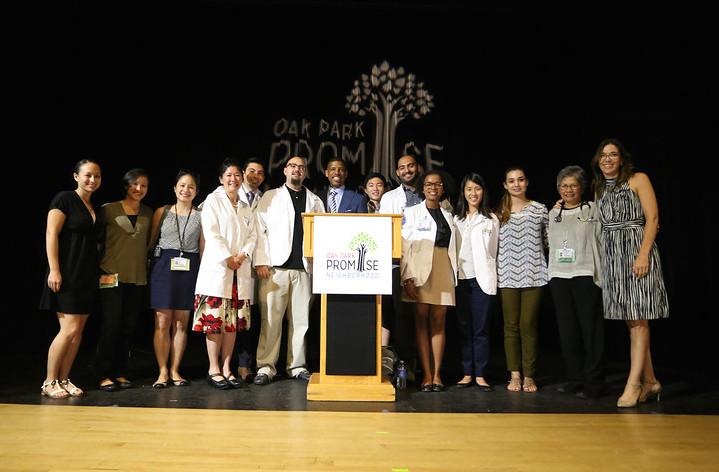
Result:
216,315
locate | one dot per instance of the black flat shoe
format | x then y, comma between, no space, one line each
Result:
111,387
218,384
159,384
437,388
124,383
485,388
425,388
234,382
180,382
464,385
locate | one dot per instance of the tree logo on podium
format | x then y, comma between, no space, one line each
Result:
391,95
361,243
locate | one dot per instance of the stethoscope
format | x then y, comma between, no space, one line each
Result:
580,217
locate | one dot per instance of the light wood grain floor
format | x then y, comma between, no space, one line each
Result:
69,438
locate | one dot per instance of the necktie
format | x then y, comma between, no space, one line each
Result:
250,197
333,202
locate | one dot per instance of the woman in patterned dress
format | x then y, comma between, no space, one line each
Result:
633,285
521,273
224,285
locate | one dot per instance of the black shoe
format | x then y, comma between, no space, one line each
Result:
425,388
262,379
159,384
465,385
218,384
180,382
234,382
570,387
485,388
437,388
124,383
111,387
304,375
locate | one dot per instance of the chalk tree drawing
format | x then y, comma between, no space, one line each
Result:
391,96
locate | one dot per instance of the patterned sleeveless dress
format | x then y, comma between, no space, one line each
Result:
625,296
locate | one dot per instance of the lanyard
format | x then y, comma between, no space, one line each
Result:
182,236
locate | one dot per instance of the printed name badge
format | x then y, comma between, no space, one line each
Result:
108,280
179,263
566,254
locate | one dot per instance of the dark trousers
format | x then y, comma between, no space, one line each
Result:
577,304
402,333
473,319
247,340
121,307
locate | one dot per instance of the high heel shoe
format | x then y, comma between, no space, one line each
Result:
648,392
633,388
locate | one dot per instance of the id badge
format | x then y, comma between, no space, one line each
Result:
566,254
109,280
179,263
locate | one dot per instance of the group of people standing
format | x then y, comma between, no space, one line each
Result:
242,249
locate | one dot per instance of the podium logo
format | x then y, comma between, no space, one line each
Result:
355,262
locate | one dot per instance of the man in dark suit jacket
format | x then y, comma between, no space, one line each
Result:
336,198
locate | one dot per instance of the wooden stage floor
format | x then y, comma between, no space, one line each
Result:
91,438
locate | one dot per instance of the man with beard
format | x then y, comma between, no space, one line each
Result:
399,319
285,282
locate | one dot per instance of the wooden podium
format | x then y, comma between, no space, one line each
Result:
351,325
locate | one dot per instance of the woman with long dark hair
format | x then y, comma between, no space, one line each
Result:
633,284
477,242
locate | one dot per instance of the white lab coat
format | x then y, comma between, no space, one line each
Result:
419,231
275,221
483,234
227,233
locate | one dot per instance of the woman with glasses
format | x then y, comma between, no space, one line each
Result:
477,241
429,274
573,280
521,272
633,285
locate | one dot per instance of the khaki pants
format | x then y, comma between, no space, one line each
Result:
520,308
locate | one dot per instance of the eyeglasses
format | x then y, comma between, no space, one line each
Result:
569,186
433,184
608,155
293,166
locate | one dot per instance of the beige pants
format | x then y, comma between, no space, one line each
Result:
287,290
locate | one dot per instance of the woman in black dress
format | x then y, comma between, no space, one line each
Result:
71,240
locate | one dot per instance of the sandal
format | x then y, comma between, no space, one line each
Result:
53,390
514,384
72,389
529,385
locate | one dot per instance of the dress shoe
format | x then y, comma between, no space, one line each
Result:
218,384
650,390
304,375
124,383
465,384
630,397
262,379
234,382
485,388
111,387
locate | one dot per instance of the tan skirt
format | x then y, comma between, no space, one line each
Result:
439,287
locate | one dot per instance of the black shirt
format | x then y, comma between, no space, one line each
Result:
299,200
443,230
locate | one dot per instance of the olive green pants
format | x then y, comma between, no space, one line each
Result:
520,308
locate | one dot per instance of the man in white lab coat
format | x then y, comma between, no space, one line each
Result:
285,280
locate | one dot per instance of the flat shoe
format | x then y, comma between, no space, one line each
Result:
233,382
111,387
437,388
425,388
464,385
124,383
485,388
218,384
179,382
159,384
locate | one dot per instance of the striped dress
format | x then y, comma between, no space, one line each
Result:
625,296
